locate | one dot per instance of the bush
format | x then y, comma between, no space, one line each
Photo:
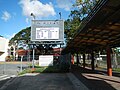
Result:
9,58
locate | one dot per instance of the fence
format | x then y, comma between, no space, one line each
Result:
100,62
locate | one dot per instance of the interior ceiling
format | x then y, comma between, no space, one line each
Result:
101,30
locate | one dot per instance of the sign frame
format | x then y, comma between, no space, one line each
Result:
47,28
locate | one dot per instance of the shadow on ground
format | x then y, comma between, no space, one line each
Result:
43,81
59,81
93,82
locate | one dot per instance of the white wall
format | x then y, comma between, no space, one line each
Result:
3,48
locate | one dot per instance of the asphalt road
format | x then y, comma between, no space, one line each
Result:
43,81
11,68
2,82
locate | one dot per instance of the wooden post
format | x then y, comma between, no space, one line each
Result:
84,60
109,68
77,59
92,62
72,59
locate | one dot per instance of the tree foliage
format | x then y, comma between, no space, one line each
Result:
21,37
71,25
77,15
85,6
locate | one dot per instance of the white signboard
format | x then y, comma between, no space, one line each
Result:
47,30
46,60
47,33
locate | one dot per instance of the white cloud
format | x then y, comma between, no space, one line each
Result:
66,4
37,8
27,20
6,16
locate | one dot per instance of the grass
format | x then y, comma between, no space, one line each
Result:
38,69
116,69
105,68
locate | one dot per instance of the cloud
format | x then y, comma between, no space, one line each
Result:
66,4
37,8
6,16
27,20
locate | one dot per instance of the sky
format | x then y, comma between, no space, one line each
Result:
15,15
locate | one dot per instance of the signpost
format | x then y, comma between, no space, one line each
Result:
4,67
21,53
21,64
33,57
47,32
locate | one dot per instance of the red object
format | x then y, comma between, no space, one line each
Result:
56,54
21,52
72,59
109,67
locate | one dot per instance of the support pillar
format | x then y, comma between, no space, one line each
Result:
84,60
77,59
72,59
109,67
92,62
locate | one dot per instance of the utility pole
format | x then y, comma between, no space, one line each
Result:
60,14
33,16
33,47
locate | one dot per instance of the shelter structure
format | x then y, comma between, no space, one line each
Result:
99,30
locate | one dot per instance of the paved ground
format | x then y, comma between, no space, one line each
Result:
63,81
8,70
47,81
96,80
5,78
11,68
86,80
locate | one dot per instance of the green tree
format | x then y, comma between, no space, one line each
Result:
85,6
77,15
22,39
71,25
